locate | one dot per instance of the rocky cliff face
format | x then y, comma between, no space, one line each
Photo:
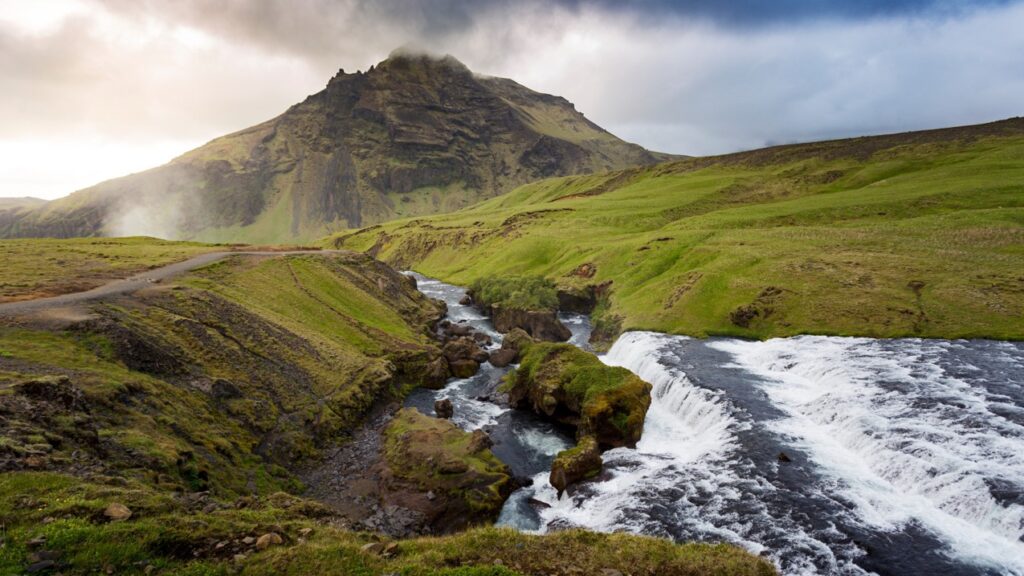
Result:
413,135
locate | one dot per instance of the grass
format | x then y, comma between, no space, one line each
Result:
518,293
308,342
919,234
175,540
34,268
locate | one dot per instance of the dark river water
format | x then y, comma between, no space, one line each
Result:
902,457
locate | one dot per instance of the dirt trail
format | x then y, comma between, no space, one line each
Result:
138,281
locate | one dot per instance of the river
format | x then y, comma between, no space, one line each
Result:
827,455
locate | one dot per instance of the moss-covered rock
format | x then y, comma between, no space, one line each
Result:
577,463
574,387
528,303
449,476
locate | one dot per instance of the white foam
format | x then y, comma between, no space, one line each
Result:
871,415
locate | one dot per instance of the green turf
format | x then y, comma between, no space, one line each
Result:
907,235
171,539
48,266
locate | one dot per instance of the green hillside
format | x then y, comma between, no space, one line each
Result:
176,429
916,234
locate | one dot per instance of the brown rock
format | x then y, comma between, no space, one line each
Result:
578,463
503,357
516,340
373,548
539,324
436,373
117,512
479,441
443,408
464,368
269,539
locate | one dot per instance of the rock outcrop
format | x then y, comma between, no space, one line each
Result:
539,324
606,405
573,387
449,477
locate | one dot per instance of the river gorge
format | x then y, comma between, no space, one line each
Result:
828,455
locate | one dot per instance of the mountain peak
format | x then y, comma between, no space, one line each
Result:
416,134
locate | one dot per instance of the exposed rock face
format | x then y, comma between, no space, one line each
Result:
539,324
577,463
413,135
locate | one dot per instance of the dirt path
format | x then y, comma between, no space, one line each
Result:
138,281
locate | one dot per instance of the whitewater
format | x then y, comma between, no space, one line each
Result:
827,455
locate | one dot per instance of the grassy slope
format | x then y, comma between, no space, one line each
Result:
310,342
916,234
175,540
46,267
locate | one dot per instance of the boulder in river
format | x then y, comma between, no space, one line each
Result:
577,463
443,408
573,387
503,357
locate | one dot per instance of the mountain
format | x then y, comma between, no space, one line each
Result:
912,234
413,135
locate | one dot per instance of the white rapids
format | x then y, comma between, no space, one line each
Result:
840,456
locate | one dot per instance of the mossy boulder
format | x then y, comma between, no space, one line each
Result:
449,476
574,387
577,463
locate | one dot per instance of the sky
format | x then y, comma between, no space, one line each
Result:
95,89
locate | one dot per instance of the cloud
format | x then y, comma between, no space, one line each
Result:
103,81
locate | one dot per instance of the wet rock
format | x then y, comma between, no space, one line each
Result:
538,503
502,357
464,368
443,408
539,324
516,340
482,339
460,349
479,442
436,373
466,300
573,387
783,457
117,512
269,539
575,464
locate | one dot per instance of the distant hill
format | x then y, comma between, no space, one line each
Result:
413,135
913,234
18,203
